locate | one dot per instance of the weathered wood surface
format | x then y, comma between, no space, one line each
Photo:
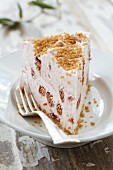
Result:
18,151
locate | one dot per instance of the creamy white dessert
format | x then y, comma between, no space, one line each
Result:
56,70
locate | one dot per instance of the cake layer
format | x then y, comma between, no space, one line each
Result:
58,76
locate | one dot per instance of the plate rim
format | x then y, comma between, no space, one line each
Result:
33,134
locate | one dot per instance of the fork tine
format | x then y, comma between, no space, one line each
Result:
23,100
18,104
28,100
33,100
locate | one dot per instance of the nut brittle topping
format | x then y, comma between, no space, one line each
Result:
65,49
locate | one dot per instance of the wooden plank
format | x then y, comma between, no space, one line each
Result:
31,151
95,155
9,155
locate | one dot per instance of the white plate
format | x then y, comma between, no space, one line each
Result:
101,77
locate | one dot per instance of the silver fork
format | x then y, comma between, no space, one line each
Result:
28,107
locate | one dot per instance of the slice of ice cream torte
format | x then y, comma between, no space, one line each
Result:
56,69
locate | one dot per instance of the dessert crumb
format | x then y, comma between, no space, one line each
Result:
80,120
89,88
89,103
61,77
80,125
82,114
91,116
33,124
95,102
90,58
68,74
45,104
71,120
92,123
35,121
87,109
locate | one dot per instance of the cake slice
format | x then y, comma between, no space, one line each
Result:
56,69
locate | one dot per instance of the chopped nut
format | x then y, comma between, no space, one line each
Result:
70,98
84,44
80,125
61,92
53,116
68,74
39,106
78,102
87,109
42,90
71,120
89,88
65,57
83,72
80,120
89,103
38,63
49,99
81,114
95,102
35,121
45,104
59,109
92,123
61,77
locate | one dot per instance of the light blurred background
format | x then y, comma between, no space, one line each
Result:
68,16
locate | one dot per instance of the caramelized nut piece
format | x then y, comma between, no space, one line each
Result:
78,102
92,123
59,109
53,116
59,44
45,104
70,98
63,54
78,39
49,99
61,92
38,63
83,73
71,120
42,90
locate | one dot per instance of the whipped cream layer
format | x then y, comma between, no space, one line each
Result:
59,92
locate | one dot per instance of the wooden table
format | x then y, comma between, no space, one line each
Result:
19,151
